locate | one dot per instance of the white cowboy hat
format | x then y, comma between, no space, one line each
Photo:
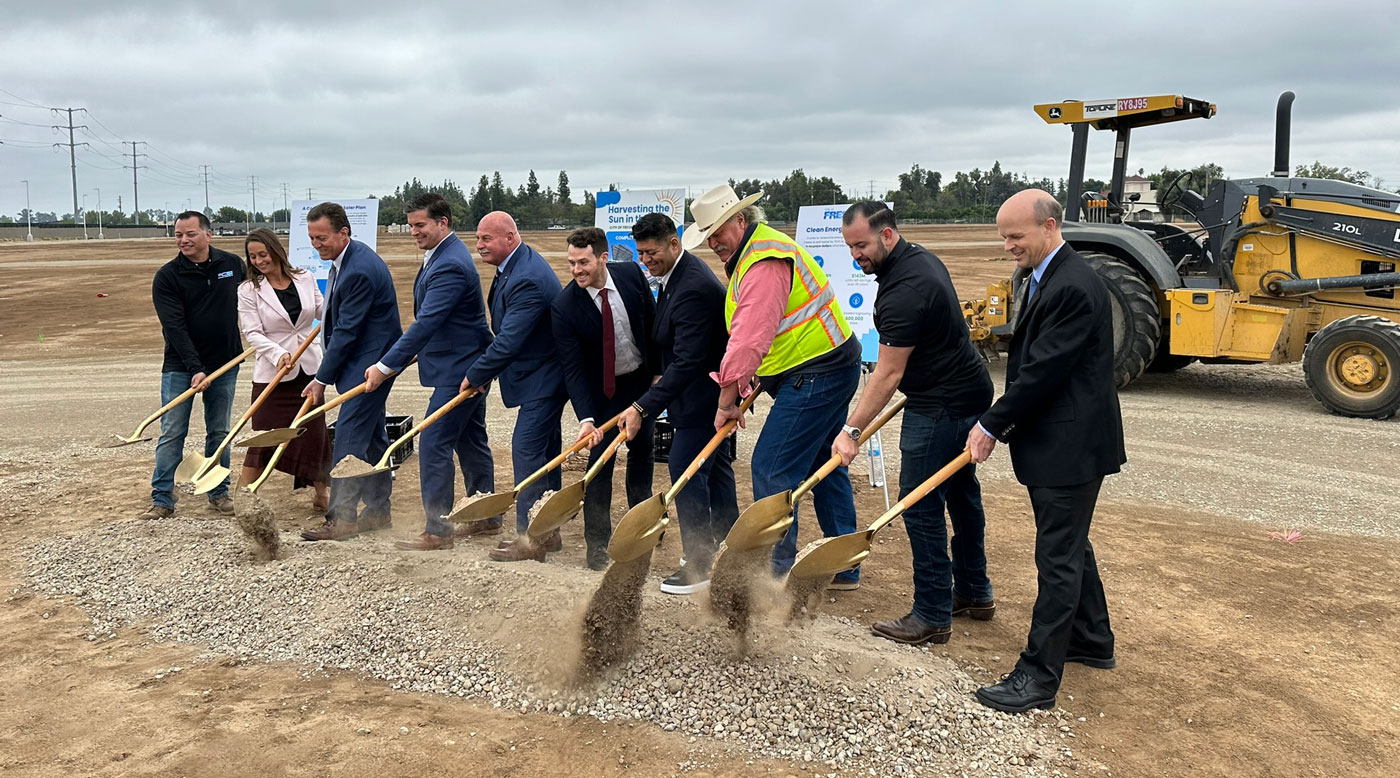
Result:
711,210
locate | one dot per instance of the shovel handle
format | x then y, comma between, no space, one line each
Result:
921,491
342,399
603,460
699,461
282,373
277,454
835,461
424,424
191,392
578,446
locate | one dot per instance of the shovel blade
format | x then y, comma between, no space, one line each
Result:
117,441
206,483
270,437
556,511
639,531
190,466
484,507
762,524
833,555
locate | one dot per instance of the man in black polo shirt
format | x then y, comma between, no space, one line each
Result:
925,353
196,299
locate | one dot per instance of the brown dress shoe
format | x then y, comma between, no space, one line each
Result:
425,542
331,530
478,527
912,630
981,610
518,551
370,523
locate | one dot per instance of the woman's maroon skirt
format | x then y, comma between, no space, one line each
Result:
308,458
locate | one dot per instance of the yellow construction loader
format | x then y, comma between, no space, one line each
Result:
1280,268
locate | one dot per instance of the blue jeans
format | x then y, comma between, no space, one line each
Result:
536,440
708,506
926,444
175,425
807,415
461,431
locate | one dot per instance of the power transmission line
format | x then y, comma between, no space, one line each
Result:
72,148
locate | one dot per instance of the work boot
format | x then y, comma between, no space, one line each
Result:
157,511
478,527
332,529
912,630
839,584
425,542
981,610
223,504
369,523
518,551
598,559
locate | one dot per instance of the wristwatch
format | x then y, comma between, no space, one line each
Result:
852,432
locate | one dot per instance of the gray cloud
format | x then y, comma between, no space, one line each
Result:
357,99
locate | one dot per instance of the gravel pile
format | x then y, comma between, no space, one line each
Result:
824,695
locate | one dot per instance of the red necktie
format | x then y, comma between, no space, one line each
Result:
609,348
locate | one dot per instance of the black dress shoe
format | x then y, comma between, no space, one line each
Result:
981,610
1017,693
1096,662
912,630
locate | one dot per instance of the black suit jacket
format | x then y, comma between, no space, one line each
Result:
690,339
578,335
1060,410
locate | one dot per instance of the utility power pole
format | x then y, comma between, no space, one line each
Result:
28,212
308,193
135,196
206,187
253,188
72,152
100,236
286,205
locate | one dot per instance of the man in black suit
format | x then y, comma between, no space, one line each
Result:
690,338
1060,416
601,323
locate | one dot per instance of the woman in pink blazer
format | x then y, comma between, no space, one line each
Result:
277,308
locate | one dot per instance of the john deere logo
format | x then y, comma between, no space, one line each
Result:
1055,112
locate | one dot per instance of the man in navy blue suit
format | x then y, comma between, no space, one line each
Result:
602,325
690,338
449,332
361,324
522,356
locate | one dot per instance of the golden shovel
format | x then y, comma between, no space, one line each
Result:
277,437
354,467
281,449
640,530
117,440
207,473
829,556
766,521
486,506
567,502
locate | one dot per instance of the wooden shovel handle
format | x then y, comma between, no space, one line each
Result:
578,446
191,392
277,454
835,461
342,399
921,491
699,461
282,373
608,452
422,425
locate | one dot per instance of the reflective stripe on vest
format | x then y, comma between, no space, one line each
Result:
812,323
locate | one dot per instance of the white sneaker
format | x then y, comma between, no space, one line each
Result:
685,581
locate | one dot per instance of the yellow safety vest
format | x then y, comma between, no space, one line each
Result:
812,322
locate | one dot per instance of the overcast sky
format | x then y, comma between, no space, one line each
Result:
356,100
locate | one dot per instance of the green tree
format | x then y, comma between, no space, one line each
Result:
562,191
1319,170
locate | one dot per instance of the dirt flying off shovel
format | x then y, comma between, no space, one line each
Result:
207,473
766,521
567,502
282,435
354,467
640,530
830,556
497,503
164,409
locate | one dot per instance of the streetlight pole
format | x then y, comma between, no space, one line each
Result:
28,214
100,236
85,235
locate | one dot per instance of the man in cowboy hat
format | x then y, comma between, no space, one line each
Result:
787,330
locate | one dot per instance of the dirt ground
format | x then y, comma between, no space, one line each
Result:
1239,654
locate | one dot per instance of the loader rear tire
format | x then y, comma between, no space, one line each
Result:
1137,324
1352,367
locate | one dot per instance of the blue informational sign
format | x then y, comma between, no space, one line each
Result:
616,212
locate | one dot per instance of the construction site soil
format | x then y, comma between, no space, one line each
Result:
1249,552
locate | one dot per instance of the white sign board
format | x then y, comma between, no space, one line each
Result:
364,227
616,212
819,231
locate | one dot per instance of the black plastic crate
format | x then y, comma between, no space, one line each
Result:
663,437
396,427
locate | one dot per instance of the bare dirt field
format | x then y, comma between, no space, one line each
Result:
1239,654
